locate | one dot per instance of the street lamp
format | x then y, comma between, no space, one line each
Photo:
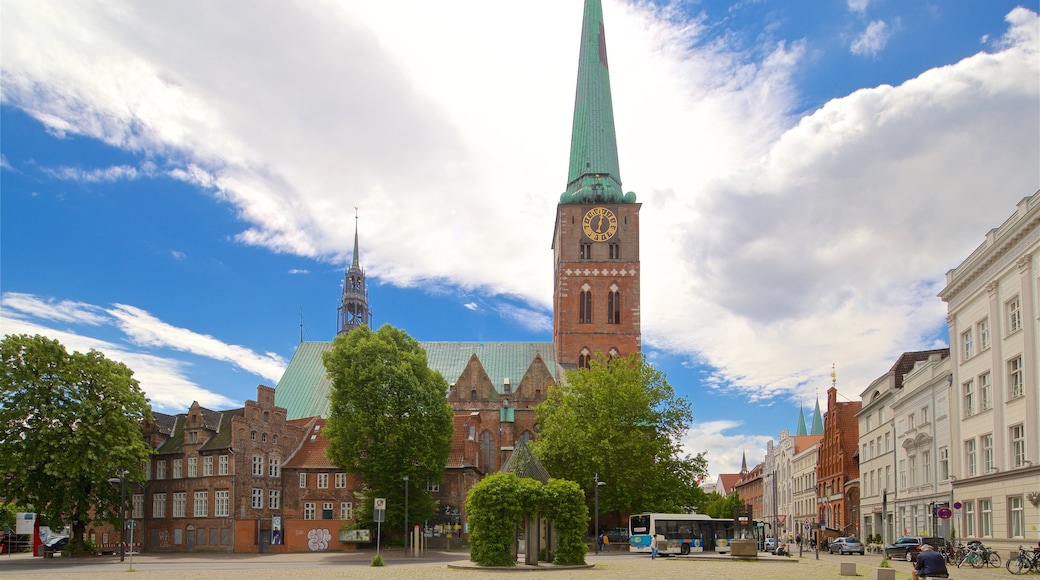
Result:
596,503
406,515
121,480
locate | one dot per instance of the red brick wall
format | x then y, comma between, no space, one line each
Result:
599,273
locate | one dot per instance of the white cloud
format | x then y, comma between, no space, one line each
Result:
101,175
872,40
179,256
725,451
858,5
772,246
163,379
299,271
143,329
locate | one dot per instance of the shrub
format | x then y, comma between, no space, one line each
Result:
377,560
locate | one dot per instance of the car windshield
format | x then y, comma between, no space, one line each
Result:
852,540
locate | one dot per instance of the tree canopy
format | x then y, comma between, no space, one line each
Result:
68,423
721,506
388,418
621,420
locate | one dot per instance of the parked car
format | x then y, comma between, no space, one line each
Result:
846,545
616,535
770,544
907,547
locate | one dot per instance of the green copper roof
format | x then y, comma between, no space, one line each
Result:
801,422
304,388
817,421
594,174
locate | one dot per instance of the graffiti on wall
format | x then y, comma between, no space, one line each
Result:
318,539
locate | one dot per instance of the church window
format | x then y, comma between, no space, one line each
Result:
487,452
584,359
585,307
585,251
615,251
473,394
614,307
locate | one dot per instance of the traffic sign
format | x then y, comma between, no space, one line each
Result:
957,505
944,513
380,503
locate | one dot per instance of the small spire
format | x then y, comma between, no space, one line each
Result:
356,262
801,421
743,461
817,422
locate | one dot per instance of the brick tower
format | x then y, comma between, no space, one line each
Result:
596,240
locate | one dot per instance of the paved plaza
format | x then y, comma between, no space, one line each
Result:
445,565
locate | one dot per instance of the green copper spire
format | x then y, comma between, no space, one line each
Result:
594,175
355,263
801,421
817,420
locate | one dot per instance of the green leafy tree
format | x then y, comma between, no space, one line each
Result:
721,506
68,423
621,420
388,418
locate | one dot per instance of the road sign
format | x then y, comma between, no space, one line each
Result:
944,513
957,505
380,503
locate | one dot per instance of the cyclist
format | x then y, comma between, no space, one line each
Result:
929,564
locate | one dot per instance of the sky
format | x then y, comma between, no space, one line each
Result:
180,182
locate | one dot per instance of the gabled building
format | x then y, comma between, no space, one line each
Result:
837,469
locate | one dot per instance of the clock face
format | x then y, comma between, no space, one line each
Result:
599,224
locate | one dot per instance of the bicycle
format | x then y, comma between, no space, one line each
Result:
1025,561
978,556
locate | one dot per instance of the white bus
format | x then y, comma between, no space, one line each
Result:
680,533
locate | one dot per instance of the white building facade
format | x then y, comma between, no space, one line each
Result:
992,300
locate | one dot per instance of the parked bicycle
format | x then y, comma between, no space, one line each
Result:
978,556
1025,561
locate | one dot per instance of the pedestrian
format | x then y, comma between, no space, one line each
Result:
606,542
653,546
798,540
930,564
599,543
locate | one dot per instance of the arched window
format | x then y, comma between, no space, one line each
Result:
614,306
584,359
585,307
487,452
473,394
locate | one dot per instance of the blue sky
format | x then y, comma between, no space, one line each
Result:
179,181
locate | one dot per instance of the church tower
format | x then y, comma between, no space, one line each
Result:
596,239
353,306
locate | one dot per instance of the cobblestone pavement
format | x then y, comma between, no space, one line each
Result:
321,566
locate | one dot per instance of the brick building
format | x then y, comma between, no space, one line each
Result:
837,468
750,490
596,306
215,479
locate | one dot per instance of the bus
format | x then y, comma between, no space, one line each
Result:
680,533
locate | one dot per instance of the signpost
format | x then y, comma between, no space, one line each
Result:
380,513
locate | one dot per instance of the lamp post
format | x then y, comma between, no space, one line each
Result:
406,515
121,480
595,495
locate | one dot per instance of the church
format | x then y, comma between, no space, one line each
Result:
494,386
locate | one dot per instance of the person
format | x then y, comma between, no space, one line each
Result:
930,564
798,539
606,542
653,546
599,543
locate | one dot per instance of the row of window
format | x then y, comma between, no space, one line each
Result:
321,480
977,392
1012,318
977,518
613,250
310,510
177,467
983,446
200,506
613,306
874,448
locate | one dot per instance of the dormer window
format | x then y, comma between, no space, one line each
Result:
193,437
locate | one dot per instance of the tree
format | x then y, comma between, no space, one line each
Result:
621,420
68,423
388,418
721,506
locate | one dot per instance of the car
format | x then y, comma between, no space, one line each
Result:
907,547
846,545
770,544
